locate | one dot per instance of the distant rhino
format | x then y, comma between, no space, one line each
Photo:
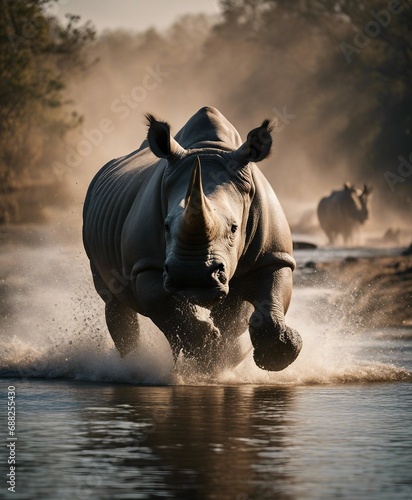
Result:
189,221
342,211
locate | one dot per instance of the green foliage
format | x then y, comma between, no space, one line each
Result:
37,55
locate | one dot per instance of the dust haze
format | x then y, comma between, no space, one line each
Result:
251,63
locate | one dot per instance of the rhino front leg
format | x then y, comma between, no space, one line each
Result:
178,320
276,345
231,317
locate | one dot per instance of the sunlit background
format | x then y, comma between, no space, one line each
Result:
135,15
334,75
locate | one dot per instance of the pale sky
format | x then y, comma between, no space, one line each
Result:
136,15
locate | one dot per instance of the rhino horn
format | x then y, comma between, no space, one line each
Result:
197,221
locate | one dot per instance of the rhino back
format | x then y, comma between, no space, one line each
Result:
333,212
209,128
110,197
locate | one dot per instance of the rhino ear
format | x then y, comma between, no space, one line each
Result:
258,144
347,185
161,142
367,190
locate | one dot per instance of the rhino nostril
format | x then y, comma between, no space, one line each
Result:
220,274
166,268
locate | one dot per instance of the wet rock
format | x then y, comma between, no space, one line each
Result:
407,251
350,260
303,245
310,264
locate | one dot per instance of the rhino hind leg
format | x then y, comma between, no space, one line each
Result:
123,325
122,322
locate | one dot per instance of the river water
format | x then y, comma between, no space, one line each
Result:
335,424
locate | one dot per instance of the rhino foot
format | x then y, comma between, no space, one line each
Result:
276,351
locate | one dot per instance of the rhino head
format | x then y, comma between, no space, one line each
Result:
207,193
358,202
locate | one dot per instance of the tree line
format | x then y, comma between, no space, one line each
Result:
38,55
336,75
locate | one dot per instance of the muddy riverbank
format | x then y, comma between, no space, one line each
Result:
373,291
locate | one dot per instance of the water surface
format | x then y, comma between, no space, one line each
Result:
335,424
88,440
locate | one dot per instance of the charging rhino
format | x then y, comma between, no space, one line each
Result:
191,221
343,211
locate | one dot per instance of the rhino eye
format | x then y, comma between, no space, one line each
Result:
233,228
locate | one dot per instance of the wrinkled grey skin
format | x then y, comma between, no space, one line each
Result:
343,211
189,221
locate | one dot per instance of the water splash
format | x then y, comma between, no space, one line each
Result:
95,359
334,352
55,329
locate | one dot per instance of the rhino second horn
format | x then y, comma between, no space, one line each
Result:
197,221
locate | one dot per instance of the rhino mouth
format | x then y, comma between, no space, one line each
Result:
199,296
